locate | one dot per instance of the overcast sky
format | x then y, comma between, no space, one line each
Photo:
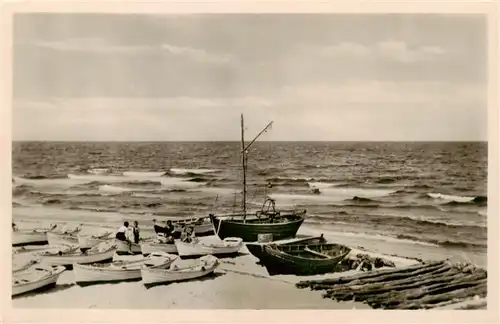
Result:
319,77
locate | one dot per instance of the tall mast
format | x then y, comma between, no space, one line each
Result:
243,163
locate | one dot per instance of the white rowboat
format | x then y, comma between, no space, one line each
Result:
204,266
150,247
123,247
202,246
25,237
35,279
68,258
120,270
61,238
88,241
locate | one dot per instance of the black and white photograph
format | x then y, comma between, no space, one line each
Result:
257,161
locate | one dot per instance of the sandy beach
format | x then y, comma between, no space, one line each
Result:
238,283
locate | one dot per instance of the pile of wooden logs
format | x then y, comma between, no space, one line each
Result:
363,262
421,286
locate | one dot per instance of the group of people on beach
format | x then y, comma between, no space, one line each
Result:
165,234
129,233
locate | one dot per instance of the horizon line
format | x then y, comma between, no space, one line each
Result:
270,141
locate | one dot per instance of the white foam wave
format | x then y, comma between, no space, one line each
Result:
338,235
143,174
450,197
483,213
329,195
98,171
194,171
113,189
176,183
322,185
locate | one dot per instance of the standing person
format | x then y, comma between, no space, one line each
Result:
122,235
136,232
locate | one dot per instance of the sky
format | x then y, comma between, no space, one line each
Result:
325,77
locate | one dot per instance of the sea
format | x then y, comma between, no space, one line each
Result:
426,200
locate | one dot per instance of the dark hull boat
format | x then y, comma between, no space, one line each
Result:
268,221
258,249
303,259
283,227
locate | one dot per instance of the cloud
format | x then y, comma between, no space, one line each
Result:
102,46
391,50
370,110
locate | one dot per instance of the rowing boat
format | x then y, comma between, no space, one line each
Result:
86,241
36,278
67,258
179,272
257,248
120,270
209,246
29,237
157,246
301,259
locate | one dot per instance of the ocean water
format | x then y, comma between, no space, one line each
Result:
431,196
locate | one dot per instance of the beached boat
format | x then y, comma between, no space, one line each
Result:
86,241
63,237
120,270
123,247
24,265
281,224
257,248
199,247
67,258
301,259
157,246
36,278
202,227
29,237
177,272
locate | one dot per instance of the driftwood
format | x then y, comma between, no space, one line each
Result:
342,280
421,286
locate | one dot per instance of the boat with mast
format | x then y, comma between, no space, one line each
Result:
278,224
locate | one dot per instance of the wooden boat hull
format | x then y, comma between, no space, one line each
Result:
200,229
69,259
206,266
50,279
149,247
250,230
225,247
279,262
258,249
88,241
24,237
123,247
115,272
55,239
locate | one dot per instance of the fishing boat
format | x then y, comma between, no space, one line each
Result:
179,272
302,259
36,278
120,270
212,246
86,241
257,249
158,246
248,226
100,253
29,237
